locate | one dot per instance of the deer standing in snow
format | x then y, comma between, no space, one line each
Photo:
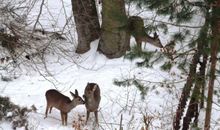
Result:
92,99
62,103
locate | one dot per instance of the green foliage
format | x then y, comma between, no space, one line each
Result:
162,26
185,15
5,104
195,127
124,83
154,28
166,66
217,94
218,71
136,53
150,28
143,90
179,11
181,36
137,83
13,113
183,65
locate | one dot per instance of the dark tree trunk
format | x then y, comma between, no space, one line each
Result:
186,91
114,40
215,26
192,111
203,81
214,50
87,23
198,91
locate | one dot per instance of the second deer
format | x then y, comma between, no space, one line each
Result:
92,99
138,31
62,103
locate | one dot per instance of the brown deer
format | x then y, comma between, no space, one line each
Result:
137,30
62,103
92,99
155,41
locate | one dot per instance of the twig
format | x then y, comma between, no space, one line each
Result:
38,17
120,127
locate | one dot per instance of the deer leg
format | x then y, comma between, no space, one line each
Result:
65,118
96,117
145,45
62,117
87,116
46,112
138,44
50,109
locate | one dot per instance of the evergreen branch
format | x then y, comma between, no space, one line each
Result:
173,24
197,4
184,53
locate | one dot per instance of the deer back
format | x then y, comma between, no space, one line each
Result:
137,29
62,102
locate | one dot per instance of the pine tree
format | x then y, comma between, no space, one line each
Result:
215,26
204,46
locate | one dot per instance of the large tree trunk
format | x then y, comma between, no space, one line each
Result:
214,51
87,23
114,40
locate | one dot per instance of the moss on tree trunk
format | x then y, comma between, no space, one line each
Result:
114,40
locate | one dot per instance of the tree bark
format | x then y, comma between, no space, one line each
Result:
87,23
214,49
215,26
186,91
114,40
203,82
192,111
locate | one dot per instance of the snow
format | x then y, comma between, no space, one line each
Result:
69,71
5,126
9,114
29,89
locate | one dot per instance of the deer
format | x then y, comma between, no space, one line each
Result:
155,41
137,30
92,99
63,103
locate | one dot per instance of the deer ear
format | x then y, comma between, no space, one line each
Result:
155,35
73,95
76,92
94,88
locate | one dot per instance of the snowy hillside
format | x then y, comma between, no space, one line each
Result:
30,87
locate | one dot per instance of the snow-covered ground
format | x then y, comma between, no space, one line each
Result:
29,89
67,71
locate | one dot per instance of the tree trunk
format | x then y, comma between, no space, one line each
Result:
87,23
114,40
186,91
214,50
192,111
203,82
